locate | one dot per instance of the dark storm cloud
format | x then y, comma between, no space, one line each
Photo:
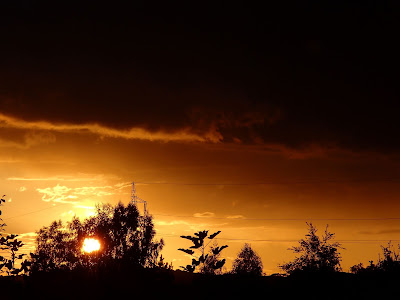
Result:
294,76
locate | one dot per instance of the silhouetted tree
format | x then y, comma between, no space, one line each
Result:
248,262
208,263
389,263
316,254
10,245
56,249
126,238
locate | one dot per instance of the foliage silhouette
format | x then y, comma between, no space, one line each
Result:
164,265
316,254
56,249
207,263
390,263
2,225
247,263
11,246
126,238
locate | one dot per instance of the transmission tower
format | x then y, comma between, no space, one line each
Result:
135,199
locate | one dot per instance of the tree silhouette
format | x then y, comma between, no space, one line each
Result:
389,263
316,254
207,263
126,238
56,249
11,246
248,262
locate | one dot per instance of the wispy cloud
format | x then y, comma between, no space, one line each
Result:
171,223
206,214
183,134
58,194
74,195
27,139
72,178
236,217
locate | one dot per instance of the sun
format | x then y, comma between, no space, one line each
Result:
90,245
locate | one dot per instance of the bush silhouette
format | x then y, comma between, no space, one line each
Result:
10,245
247,263
390,263
316,254
208,262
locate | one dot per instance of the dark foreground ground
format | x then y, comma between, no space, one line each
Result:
160,284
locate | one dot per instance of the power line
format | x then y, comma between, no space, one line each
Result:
283,182
282,219
241,218
33,212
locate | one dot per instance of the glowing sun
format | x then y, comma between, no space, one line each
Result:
90,245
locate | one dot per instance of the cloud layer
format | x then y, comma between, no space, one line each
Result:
258,81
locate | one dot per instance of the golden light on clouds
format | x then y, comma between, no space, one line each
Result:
134,133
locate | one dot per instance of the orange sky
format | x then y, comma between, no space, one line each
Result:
246,118
193,186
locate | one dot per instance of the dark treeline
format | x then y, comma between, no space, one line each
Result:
155,283
129,264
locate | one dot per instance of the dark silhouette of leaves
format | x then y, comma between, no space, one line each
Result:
316,254
203,258
214,234
219,264
126,238
202,234
188,268
208,263
217,250
10,245
188,237
247,263
190,252
197,243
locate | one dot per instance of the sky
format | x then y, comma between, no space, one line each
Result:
246,118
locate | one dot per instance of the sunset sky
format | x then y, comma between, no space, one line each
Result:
247,119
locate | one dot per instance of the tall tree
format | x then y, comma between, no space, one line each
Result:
56,249
316,254
125,236
248,262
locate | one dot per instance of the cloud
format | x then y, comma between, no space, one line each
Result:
168,89
206,214
74,196
171,223
138,133
57,194
379,232
12,137
72,178
236,217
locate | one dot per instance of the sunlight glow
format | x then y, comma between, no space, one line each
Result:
90,245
